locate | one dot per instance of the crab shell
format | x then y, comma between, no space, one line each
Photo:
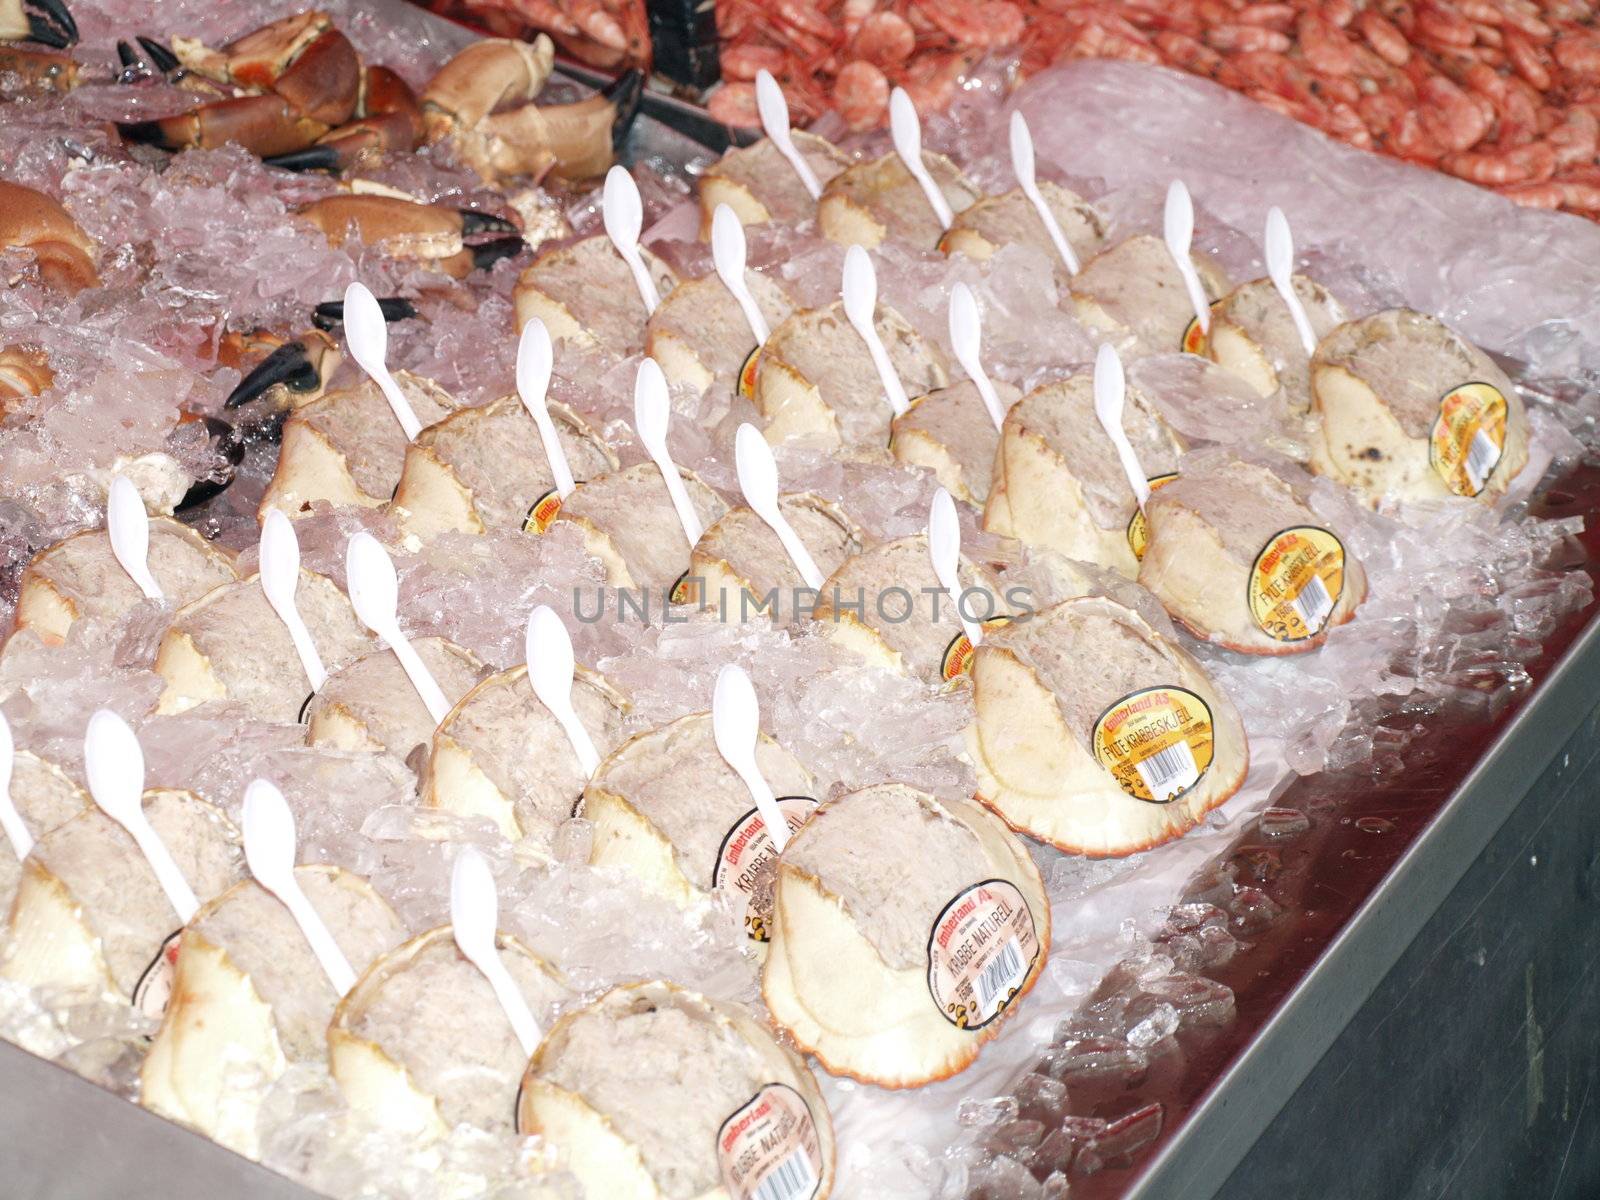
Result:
369,1075
875,200
1361,441
62,938
218,1026
757,179
603,1160
82,567
31,220
828,987
1039,777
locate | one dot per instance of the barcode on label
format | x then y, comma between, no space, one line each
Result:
792,1179
1168,771
1313,604
1002,974
1482,455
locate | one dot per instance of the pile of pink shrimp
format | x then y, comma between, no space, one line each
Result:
1504,93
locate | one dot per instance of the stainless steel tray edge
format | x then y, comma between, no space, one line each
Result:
1215,1136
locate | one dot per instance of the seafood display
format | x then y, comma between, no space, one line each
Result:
533,667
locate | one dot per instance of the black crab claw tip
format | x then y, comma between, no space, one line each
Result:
331,313
226,439
50,24
288,364
127,57
163,59
312,158
486,254
474,222
626,93
146,133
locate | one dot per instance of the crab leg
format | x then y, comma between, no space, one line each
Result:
428,232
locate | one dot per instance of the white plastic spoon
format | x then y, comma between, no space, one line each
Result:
966,335
1022,162
114,764
1178,228
758,480
1110,394
280,576
547,649
366,334
128,526
944,548
774,110
861,305
269,848
11,821
535,359
652,410
728,253
906,129
475,918
1280,265
375,595
623,212
736,725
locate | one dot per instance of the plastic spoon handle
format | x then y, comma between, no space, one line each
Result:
1110,394
1178,226
944,549
1280,265
366,334
547,649
128,526
535,359
16,830
736,725
280,576
758,480
374,593
475,917
652,410
623,213
1022,160
728,253
114,764
774,110
860,306
966,335
269,848
906,129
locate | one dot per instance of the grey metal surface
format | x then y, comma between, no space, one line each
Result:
1200,1159
64,1139
1473,1072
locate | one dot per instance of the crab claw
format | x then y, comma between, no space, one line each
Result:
429,233
486,254
300,367
226,441
388,118
393,308
625,94
161,58
36,222
44,21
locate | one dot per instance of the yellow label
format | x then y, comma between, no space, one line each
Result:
958,654
1295,583
980,952
747,374
1138,527
1157,742
1194,338
683,591
1469,437
943,244
543,513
